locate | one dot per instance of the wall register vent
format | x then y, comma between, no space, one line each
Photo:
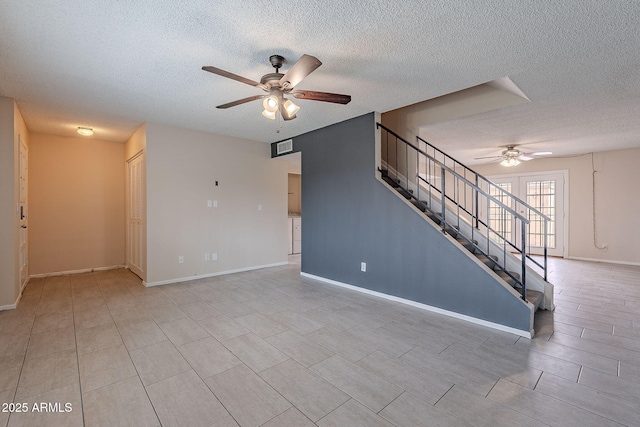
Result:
284,147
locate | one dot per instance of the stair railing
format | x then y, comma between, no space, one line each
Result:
443,186
541,222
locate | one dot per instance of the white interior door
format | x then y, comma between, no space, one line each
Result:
135,214
24,217
545,192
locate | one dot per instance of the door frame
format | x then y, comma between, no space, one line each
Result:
565,197
138,270
23,214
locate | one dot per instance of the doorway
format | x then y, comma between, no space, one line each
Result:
546,192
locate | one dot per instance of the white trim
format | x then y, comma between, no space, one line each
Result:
204,276
15,305
84,270
497,326
24,285
605,261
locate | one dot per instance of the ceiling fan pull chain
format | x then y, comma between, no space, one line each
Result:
278,121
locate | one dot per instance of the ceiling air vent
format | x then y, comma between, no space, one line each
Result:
284,147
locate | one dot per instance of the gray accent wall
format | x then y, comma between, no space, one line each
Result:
349,217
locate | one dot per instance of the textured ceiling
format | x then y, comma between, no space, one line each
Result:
114,65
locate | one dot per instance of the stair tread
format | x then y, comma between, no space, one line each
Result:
534,297
513,273
405,193
420,204
491,260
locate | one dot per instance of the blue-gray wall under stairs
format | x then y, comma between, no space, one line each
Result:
349,217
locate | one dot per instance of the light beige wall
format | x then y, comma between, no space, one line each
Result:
406,121
182,167
136,143
76,203
295,193
617,201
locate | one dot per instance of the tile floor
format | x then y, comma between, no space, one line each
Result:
269,348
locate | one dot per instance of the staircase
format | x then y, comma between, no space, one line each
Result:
490,224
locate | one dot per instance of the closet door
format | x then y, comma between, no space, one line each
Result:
135,214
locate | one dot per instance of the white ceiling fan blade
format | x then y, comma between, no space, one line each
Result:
488,157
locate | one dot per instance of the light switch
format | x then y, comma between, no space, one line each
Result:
209,203
259,207
215,203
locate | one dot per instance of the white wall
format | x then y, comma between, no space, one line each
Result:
182,167
406,121
617,201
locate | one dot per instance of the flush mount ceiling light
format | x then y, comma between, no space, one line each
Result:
277,85
85,131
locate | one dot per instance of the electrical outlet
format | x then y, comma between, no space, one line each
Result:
259,207
605,245
207,257
363,267
214,256
180,259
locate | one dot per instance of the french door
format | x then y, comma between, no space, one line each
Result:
544,192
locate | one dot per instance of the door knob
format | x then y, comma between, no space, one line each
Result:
23,226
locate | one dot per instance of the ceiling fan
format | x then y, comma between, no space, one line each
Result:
512,156
276,85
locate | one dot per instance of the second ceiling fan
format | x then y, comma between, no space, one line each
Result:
512,156
276,85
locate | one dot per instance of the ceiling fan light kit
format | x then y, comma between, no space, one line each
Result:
269,114
270,104
277,85
291,108
510,162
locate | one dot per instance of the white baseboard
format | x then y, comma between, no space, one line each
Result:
15,305
605,261
204,276
497,326
84,270
9,306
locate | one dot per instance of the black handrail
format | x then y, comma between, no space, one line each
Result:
488,181
477,191
504,192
